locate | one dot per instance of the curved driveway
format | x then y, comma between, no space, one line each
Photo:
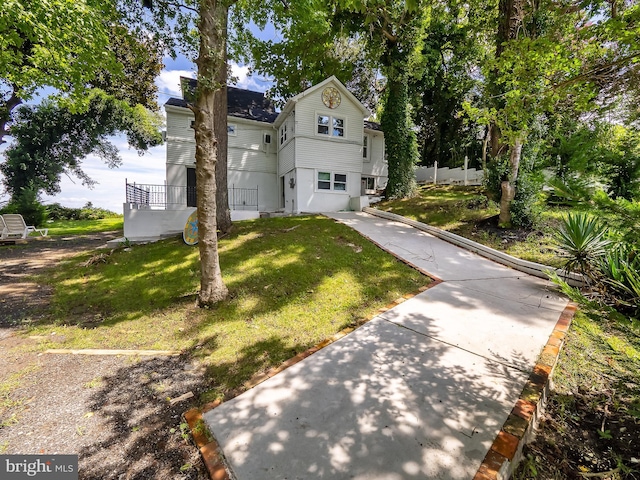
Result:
419,392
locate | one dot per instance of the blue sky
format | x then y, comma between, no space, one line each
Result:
109,193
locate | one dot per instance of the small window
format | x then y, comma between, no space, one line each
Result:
340,182
369,183
332,181
365,147
267,138
323,125
324,181
338,127
192,124
283,133
328,125
232,129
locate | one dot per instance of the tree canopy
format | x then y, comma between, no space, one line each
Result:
51,140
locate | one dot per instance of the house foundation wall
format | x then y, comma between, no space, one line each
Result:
149,224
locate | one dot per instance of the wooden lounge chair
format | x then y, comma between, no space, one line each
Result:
14,226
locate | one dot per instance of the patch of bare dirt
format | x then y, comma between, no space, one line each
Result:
507,236
587,435
113,411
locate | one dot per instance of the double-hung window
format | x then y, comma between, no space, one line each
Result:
283,133
330,125
332,181
365,148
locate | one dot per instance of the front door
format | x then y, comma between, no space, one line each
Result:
191,187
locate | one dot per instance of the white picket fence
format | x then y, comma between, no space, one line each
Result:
449,176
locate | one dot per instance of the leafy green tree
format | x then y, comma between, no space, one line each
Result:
456,40
546,52
52,43
51,139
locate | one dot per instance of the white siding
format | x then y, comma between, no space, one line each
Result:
312,200
181,151
286,157
309,106
328,154
376,166
247,150
265,182
179,123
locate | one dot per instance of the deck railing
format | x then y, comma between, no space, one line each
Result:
163,197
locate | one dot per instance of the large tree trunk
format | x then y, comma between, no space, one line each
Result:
6,108
400,141
223,214
210,129
511,13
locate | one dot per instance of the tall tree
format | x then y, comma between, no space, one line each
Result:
545,52
456,40
209,39
51,139
210,110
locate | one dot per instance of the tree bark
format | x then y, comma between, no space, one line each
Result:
6,107
508,187
210,127
223,214
511,13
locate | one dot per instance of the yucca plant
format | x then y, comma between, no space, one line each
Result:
621,270
582,241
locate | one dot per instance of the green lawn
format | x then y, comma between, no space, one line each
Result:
466,211
292,281
85,227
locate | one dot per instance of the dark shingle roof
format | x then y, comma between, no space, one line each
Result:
243,104
372,125
240,103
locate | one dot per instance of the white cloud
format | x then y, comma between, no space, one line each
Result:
109,193
169,81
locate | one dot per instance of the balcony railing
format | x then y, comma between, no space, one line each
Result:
164,197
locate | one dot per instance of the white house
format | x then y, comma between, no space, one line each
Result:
318,154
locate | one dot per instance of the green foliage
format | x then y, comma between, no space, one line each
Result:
621,270
56,43
613,267
55,211
26,203
455,35
52,140
582,240
496,171
400,142
528,202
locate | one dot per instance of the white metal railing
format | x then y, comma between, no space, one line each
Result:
162,197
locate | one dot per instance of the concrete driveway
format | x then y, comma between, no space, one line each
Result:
421,391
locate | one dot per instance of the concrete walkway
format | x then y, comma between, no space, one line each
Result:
421,391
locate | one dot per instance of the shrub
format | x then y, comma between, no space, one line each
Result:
526,207
26,203
88,212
